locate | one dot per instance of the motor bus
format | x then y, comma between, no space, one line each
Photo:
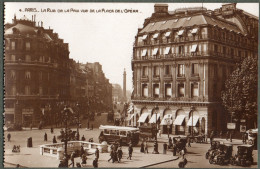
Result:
125,135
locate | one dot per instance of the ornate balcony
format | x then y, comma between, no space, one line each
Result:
156,78
195,77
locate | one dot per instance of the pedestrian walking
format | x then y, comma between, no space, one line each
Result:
78,165
83,138
174,149
130,151
97,153
83,160
245,137
119,154
189,140
82,151
72,156
211,137
9,137
51,130
227,135
142,147
54,140
164,148
88,124
146,147
111,155
160,133
95,163
45,136
183,153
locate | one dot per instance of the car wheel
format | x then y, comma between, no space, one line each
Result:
211,161
207,155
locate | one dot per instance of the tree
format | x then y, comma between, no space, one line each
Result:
240,94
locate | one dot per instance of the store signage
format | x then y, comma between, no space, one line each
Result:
231,126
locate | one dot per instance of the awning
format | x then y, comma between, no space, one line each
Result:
178,121
180,32
167,34
144,52
144,37
193,48
143,117
165,117
155,35
195,121
195,30
155,50
153,118
167,50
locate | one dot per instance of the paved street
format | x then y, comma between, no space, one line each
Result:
29,157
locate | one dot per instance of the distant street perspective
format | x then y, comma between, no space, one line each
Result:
193,102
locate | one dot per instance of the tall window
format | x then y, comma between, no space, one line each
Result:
168,90
13,45
181,70
156,71
27,46
13,58
224,50
145,71
215,48
27,90
167,69
232,52
181,90
40,90
27,58
13,90
181,49
13,74
156,90
194,90
27,75
195,69
144,90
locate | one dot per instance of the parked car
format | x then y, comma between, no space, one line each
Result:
222,156
244,156
213,148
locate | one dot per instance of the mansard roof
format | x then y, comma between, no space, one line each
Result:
188,21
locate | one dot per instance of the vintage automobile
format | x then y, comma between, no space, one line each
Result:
214,147
122,135
222,156
147,133
252,137
244,156
181,144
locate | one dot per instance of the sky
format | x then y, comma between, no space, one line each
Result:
105,35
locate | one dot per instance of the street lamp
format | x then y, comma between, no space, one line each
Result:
66,113
155,151
125,107
77,105
192,110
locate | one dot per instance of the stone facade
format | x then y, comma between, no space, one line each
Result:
181,61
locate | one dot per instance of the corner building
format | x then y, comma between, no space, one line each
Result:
180,62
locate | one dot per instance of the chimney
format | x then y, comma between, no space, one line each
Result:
32,18
41,24
160,8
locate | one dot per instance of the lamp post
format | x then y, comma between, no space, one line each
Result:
155,151
77,105
192,110
125,108
66,112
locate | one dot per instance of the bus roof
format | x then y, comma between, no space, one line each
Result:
118,128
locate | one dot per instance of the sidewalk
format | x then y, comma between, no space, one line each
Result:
30,157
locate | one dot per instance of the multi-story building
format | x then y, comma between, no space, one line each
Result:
40,76
180,62
117,93
34,59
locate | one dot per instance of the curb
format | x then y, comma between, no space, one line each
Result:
20,166
159,163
